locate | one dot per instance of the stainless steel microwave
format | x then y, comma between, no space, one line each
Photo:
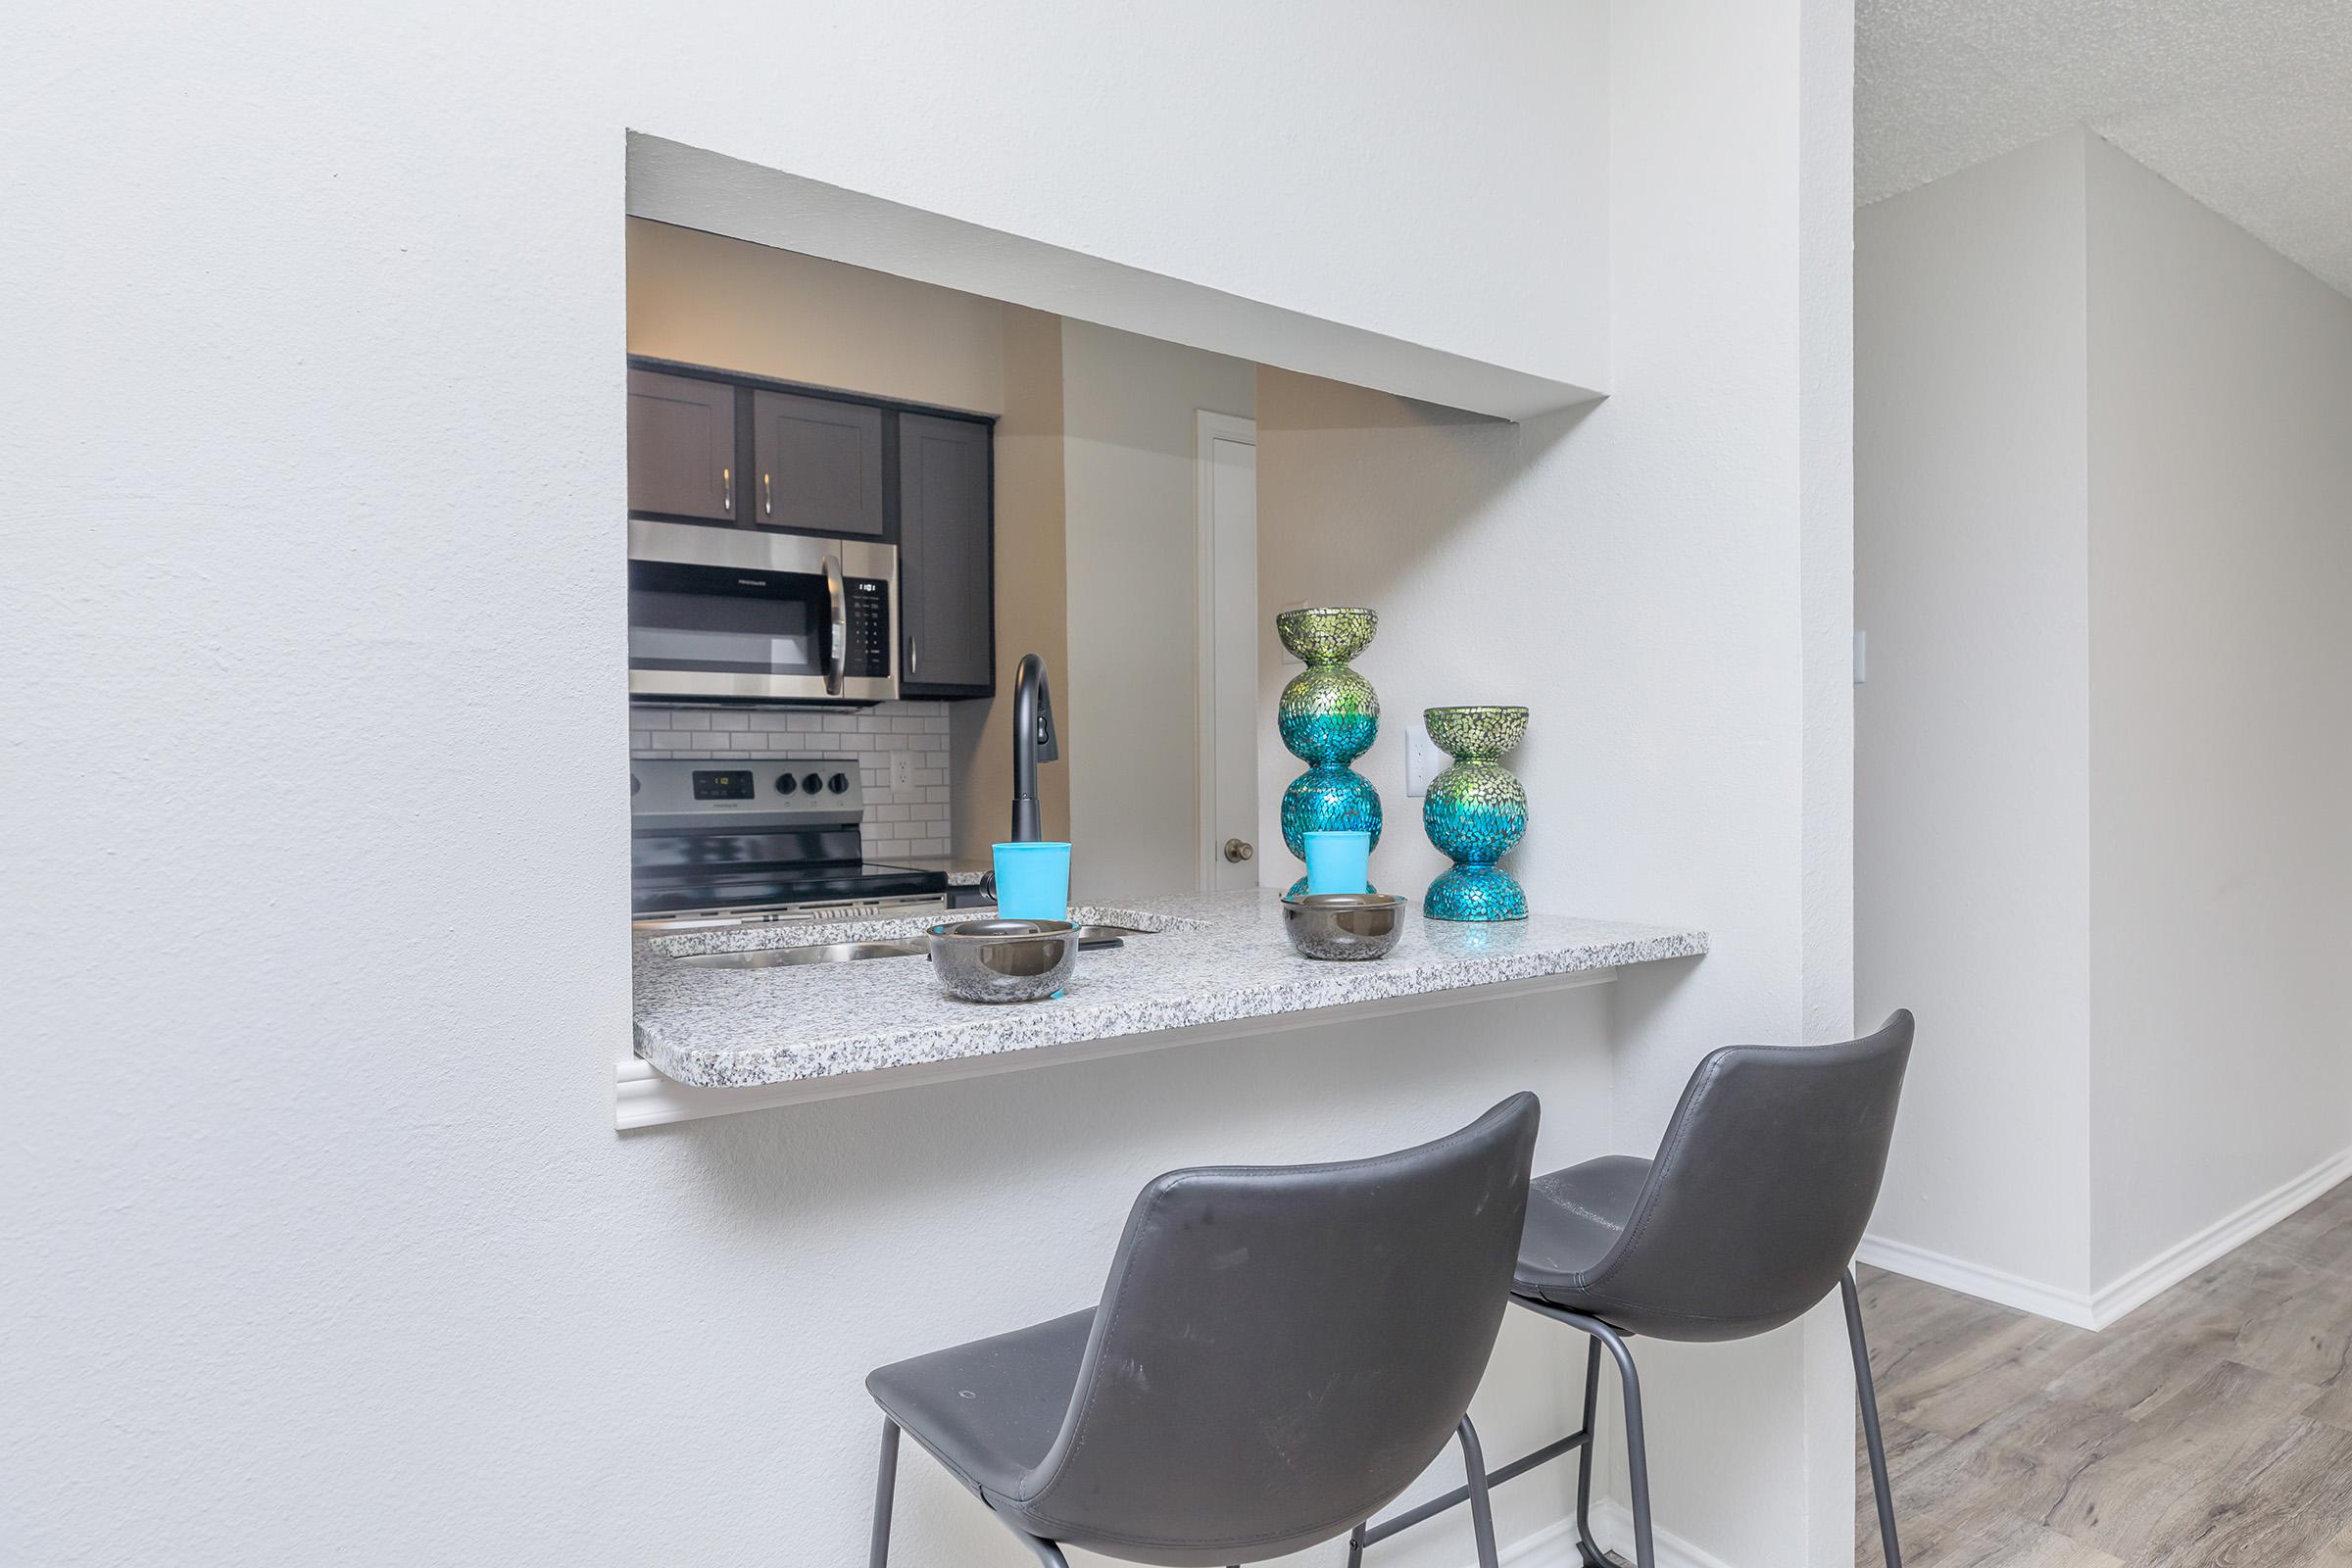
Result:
720,613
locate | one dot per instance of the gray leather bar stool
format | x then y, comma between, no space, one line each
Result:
1749,1214
1278,1352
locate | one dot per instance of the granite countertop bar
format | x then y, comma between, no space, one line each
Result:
1210,959
962,872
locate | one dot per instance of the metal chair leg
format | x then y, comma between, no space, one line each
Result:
1589,1550
1637,1452
1047,1554
885,1486
1482,1510
1356,1547
1866,1395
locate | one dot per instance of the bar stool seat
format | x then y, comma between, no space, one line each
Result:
1574,1219
988,1411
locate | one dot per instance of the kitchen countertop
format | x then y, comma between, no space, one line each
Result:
963,871
1210,959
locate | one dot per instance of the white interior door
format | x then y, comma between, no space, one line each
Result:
1226,491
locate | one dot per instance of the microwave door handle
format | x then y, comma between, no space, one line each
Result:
836,649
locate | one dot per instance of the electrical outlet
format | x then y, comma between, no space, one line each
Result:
902,770
1423,760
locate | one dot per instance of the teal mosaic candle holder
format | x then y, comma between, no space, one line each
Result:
1327,717
1475,812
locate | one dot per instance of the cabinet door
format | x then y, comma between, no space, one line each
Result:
682,447
946,564
816,466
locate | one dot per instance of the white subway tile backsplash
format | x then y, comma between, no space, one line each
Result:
900,823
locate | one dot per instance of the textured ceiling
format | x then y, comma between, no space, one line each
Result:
2244,104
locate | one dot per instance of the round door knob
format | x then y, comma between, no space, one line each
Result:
839,783
812,783
786,784
1239,849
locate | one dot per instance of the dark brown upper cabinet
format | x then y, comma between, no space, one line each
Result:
947,568
682,461
816,466
735,449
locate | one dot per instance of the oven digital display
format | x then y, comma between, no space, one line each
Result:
731,785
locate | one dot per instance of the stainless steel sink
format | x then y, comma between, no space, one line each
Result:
1107,936
820,953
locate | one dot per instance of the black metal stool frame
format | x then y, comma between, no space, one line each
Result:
1589,1550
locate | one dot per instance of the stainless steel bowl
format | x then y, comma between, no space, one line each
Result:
1345,926
1003,961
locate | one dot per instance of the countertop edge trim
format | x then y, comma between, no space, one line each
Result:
644,1097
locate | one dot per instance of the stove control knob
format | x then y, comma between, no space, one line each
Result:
786,784
839,783
812,783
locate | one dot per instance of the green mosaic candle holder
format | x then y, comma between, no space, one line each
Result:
1327,718
1475,812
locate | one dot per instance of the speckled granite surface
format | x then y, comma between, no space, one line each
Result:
962,872
1213,957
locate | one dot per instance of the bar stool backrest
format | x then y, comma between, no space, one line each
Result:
1761,1190
1280,1351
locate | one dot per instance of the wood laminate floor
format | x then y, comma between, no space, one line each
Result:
2210,1429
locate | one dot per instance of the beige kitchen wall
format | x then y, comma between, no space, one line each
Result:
703,299
708,300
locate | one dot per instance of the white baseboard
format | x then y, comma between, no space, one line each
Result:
1552,1546
1555,1545
2127,1291
2168,1268
1997,1285
1613,1523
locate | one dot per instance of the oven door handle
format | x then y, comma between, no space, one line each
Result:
837,647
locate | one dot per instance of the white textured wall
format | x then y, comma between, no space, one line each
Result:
1972,782
2221,715
2102,455
1126,699
322,1246
1343,159
1651,599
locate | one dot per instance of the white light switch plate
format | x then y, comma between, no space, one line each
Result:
902,770
1423,760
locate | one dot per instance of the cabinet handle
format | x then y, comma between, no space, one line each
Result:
914,654
768,492
728,478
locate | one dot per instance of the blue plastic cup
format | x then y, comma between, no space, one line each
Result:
1338,861
1033,881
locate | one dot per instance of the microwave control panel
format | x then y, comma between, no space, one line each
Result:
868,617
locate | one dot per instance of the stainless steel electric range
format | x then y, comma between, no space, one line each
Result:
763,838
